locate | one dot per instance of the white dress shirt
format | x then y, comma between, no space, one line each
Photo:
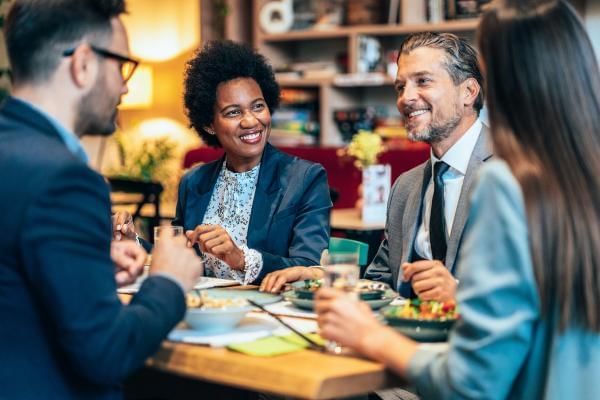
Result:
457,157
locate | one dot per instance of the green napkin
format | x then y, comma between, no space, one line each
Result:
274,345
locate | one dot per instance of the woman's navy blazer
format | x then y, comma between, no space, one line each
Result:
289,224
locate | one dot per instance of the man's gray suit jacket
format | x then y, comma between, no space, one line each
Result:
404,216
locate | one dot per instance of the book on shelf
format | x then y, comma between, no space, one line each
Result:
462,9
298,96
435,11
292,114
413,12
393,12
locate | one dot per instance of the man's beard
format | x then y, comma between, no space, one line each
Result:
95,116
436,132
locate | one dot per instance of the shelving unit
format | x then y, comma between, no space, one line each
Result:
326,45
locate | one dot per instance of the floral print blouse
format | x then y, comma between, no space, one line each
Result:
231,206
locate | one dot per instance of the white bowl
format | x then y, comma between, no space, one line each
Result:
215,320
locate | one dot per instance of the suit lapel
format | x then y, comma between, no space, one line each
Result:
481,153
411,220
266,197
206,188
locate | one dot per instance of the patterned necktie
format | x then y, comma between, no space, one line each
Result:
437,221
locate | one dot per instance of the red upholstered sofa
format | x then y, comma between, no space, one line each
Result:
341,173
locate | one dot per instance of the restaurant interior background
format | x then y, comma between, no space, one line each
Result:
334,60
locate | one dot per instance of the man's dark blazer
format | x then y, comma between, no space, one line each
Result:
403,216
64,334
289,223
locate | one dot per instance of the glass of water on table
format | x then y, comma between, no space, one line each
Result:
342,273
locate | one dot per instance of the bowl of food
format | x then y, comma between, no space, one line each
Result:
375,294
211,315
366,291
424,321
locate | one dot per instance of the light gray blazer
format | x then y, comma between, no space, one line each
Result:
403,216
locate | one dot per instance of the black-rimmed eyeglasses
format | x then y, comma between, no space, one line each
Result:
127,65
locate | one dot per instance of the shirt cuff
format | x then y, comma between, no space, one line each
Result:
253,262
420,363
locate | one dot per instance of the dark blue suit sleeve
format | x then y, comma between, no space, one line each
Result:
65,247
310,234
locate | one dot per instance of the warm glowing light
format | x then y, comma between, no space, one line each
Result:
165,127
140,89
162,29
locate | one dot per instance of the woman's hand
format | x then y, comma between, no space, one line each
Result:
123,228
343,319
275,281
214,239
352,324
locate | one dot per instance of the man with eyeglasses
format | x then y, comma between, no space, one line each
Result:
64,333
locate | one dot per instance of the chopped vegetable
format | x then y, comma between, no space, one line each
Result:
425,310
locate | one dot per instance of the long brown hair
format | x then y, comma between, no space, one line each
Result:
543,87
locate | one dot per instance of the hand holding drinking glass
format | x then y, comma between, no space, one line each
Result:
172,257
341,273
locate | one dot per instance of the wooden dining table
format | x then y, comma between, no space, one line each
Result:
305,374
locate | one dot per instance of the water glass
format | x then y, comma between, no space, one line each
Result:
341,272
159,230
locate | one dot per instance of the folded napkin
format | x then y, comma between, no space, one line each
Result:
275,345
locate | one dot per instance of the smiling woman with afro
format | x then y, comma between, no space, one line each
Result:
256,210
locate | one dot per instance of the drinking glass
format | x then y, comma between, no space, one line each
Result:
159,230
342,273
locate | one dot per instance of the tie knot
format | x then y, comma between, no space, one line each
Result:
440,169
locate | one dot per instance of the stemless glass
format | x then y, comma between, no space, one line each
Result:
159,230
342,273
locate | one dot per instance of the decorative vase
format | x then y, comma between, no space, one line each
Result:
376,185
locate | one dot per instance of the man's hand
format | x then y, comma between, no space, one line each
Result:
275,281
129,260
123,227
171,256
431,280
214,239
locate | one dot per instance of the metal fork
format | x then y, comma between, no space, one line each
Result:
311,343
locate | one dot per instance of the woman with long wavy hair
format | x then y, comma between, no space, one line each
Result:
529,292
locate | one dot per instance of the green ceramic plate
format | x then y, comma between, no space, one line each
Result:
418,329
374,293
308,294
308,304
